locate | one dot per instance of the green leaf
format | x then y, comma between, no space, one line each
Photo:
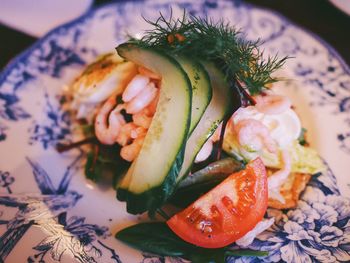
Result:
104,165
158,238
197,38
203,255
246,253
302,137
154,238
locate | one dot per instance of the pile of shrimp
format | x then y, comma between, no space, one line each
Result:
139,99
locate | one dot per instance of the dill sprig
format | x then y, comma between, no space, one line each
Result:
218,42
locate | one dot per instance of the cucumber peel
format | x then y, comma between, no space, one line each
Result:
201,89
153,175
220,106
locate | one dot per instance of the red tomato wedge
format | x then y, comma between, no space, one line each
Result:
227,212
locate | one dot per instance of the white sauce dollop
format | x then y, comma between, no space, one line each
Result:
284,127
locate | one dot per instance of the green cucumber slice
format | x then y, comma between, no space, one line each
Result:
201,89
221,104
154,172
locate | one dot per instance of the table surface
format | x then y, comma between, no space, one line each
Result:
318,16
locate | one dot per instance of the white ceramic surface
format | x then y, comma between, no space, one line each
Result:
37,17
49,212
343,5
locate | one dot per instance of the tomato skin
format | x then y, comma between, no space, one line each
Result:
227,212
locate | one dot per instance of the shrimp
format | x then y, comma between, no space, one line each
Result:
143,118
130,152
205,151
135,86
143,99
138,132
124,136
254,134
108,122
146,72
277,179
152,107
272,104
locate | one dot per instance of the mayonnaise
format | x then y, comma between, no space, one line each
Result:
284,127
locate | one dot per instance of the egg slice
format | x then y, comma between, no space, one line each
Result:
105,77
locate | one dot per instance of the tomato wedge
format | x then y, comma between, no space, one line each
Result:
227,212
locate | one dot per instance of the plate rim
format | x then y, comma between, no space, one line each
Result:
340,7
26,52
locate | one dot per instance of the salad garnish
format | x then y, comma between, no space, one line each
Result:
197,38
186,116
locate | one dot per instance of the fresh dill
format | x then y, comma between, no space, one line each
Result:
218,42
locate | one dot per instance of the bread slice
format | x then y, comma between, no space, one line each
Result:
291,190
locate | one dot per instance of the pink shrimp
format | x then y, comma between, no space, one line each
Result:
254,134
108,122
143,118
124,136
135,86
142,99
272,104
130,152
277,179
138,132
152,107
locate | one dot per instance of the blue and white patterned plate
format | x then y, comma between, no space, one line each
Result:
49,212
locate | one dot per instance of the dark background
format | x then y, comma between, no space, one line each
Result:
318,16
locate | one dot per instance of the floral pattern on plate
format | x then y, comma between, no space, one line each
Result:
45,201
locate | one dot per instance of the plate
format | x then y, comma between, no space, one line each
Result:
342,5
49,212
37,17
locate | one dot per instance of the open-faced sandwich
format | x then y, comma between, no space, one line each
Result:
187,115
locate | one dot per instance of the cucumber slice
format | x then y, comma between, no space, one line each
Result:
154,172
201,89
223,103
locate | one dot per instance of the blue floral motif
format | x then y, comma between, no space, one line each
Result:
151,258
50,57
49,211
9,110
344,139
3,128
55,128
317,230
332,89
86,233
6,180
56,58
75,226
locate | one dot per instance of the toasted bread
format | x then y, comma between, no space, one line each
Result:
291,190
